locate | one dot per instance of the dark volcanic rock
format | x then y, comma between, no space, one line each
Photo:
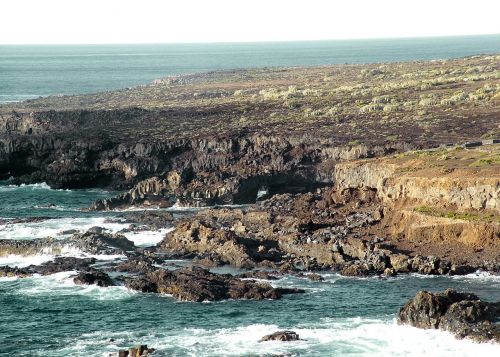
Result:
93,276
5,221
138,351
146,220
281,336
96,230
258,274
142,284
197,284
208,260
463,314
101,243
6,271
134,265
60,264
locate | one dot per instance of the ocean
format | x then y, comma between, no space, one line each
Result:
340,316
32,71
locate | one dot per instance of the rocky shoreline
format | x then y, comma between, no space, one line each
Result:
354,190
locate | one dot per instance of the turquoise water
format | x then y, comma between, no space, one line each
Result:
337,317
39,200
32,71
50,316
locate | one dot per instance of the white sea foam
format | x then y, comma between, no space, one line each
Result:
177,207
22,261
53,227
147,238
47,254
328,337
61,284
33,186
480,276
344,338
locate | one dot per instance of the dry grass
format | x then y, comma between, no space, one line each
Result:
433,101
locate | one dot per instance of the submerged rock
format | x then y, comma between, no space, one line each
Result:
281,336
57,265
9,272
463,314
60,264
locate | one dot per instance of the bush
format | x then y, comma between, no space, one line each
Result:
427,102
382,99
389,108
372,107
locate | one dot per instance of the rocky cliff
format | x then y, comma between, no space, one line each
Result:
441,202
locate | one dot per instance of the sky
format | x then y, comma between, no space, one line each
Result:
174,21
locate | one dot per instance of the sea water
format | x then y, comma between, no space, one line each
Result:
29,71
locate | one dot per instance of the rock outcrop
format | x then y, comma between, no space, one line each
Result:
101,242
197,284
93,277
317,231
463,314
92,242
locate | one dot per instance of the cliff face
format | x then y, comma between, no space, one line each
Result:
418,227
400,185
234,170
79,148
443,202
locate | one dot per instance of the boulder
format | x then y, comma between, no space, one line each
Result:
355,270
137,351
388,272
92,277
463,314
281,336
430,265
314,277
400,262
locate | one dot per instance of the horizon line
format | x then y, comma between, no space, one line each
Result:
247,41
